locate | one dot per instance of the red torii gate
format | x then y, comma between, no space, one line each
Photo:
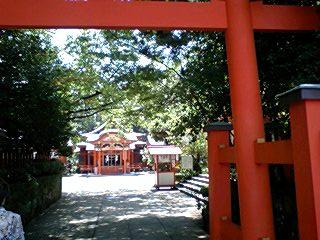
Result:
238,19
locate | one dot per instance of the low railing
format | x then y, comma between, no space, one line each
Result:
15,158
86,168
136,166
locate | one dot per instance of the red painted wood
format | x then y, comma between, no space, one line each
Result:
279,152
125,157
230,231
226,155
99,161
305,128
219,191
253,179
94,158
284,18
148,15
112,14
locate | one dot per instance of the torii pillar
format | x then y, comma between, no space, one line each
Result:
219,179
253,179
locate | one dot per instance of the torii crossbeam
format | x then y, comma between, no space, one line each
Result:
120,14
238,19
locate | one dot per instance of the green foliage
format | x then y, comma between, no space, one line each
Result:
65,150
164,167
170,92
197,148
92,84
31,171
174,83
205,216
147,157
34,188
285,60
46,168
33,112
30,198
185,174
73,160
204,191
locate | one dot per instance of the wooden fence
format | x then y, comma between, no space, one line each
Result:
18,158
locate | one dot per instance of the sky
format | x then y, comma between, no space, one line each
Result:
59,39
60,36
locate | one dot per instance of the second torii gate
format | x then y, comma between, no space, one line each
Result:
238,19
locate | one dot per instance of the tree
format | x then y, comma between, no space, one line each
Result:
197,149
285,60
33,110
182,82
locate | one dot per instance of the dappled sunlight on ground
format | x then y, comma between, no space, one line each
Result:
118,207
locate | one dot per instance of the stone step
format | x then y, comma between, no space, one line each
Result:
201,179
192,194
191,187
197,183
204,175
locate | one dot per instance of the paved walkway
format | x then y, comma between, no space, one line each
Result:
118,207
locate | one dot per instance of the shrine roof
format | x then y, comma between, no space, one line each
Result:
164,150
132,138
153,142
133,145
97,133
88,146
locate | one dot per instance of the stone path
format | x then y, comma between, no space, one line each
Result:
118,207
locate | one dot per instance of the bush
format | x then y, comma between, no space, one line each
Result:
33,188
205,216
185,174
30,198
204,208
204,191
46,168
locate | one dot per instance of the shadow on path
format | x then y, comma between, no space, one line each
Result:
122,214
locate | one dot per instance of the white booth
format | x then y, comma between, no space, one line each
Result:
165,158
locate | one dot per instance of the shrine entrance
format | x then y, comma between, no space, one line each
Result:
112,159
112,163
238,19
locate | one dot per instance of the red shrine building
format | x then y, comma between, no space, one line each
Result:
111,151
